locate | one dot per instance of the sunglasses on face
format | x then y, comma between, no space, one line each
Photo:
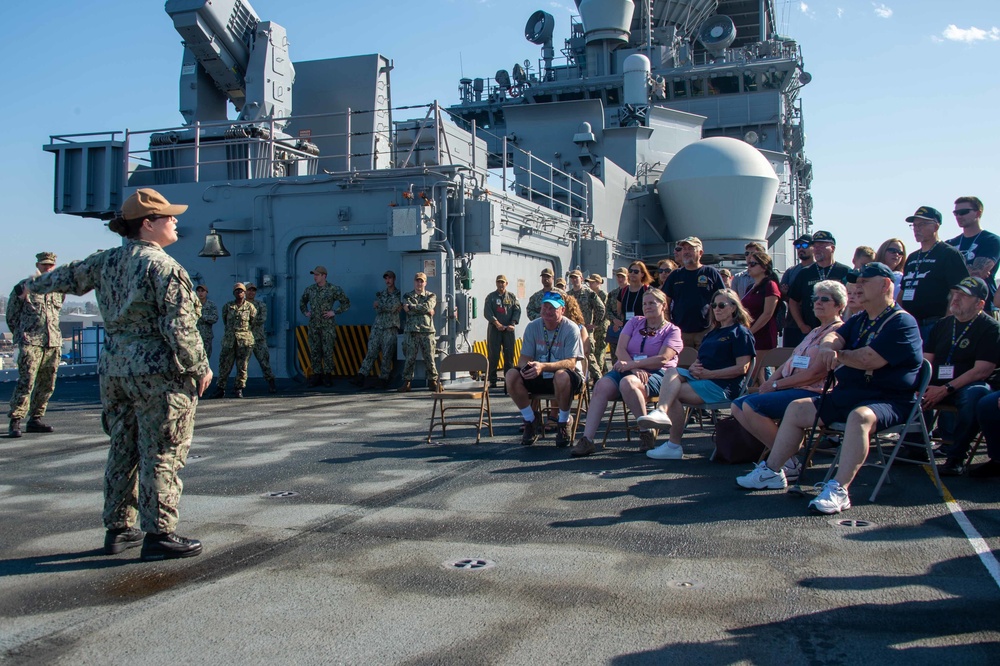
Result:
892,250
822,299
720,305
751,264
636,271
802,246
662,270
963,211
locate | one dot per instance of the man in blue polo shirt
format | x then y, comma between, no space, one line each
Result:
877,357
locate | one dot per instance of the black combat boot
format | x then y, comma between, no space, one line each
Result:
238,393
405,388
271,386
14,429
168,546
220,392
359,380
327,379
115,541
35,425
314,381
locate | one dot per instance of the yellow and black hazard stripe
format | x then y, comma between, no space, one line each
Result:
480,347
348,352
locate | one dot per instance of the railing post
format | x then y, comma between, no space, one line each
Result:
270,144
473,146
437,131
347,158
504,177
128,137
530,197
197,151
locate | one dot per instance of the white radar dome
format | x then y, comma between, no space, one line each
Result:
720,190
636,70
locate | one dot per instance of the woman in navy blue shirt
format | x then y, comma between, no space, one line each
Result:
724,359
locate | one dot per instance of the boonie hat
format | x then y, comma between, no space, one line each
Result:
621,271
973,286
870,270
45,258
575,274
318,269
146,202
239,286
693,241
547,271
926,213
389,274
502,278
553,298
420,276
594,277
824,237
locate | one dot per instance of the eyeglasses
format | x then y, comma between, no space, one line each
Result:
963,211
892,250
635,271
662,270
922,223
751,264
822,299
746,254
720,305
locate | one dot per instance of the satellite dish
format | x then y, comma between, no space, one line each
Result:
538,29
717,34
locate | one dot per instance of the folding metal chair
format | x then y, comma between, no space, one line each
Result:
772,358
472,397
582,398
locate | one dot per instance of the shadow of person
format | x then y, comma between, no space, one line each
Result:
83,560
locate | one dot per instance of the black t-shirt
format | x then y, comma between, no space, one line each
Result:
984,245
690,292
961,345
897,340
802,287
927,279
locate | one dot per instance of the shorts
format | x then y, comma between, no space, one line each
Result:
543,386
839,404
706,389
652,384
773,404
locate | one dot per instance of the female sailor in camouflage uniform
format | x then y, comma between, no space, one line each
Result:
152,371
387,306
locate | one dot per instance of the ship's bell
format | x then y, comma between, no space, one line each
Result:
213,246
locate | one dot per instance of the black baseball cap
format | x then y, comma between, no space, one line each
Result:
973,286
804,239
870,270
824,237
926,213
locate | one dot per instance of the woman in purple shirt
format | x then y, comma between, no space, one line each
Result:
648,344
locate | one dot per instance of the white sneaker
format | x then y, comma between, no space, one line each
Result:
762,478
666,451
833,498
655,419
792,469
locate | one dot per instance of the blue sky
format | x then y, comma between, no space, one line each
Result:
901,111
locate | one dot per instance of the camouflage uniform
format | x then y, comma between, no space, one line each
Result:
322,332
34,323
419,334
593,309
153,356
600,339
506,310
260,350
237,342
383,334
209,315
534,308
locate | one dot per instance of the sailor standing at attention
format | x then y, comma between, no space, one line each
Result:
593,309
317,305
502,312
419,306
260,351
34,324
237,341
384,331
152,370
209,315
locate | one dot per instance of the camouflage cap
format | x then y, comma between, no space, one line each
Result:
45,258
575,274
146,202
420,276
621,271
547,271
594,277
318,269
561,283
201,287
239,286
251,285
389,274
693,241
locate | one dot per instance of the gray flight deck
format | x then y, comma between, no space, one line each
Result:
613,559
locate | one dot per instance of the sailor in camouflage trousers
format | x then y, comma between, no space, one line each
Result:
534,308
34,323
317,304
593,309
152,370
384,332
209,315
237,341
502,312
600,338
260,350
419,306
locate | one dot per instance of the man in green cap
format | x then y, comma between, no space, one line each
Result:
209,315
418,336
535,302
502,312
34,323
593,309
237,341
317,305
600,341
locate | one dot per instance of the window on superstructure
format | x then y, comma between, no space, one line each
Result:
679,90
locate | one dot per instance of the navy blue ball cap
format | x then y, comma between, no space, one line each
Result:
870,270
973,286
926,213
824,237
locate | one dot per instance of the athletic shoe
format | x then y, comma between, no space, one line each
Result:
666,451
833,498
792,469
655,419
647,440
762,477
584,447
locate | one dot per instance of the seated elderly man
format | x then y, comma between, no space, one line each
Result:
551,361
963,349
877,357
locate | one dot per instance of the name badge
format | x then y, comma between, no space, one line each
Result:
629,315
639,357
908,294
800,362
548,375
946,372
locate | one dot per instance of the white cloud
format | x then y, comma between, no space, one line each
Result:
970,35
882,11
565,8
804,8
840,12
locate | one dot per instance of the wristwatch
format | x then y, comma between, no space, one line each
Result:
949,388
774,385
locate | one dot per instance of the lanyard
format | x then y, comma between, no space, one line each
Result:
867,329
955,340
548,347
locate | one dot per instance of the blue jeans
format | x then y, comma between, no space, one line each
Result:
988,416
961,428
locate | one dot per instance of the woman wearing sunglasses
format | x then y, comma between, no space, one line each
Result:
892,253
724,359
630,298
649,344
761,300
800,377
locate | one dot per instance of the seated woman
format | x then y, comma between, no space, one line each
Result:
724,359
800,377
647,347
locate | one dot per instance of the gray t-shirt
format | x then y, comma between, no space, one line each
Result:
546,346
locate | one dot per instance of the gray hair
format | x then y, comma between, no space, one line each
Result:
835,289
